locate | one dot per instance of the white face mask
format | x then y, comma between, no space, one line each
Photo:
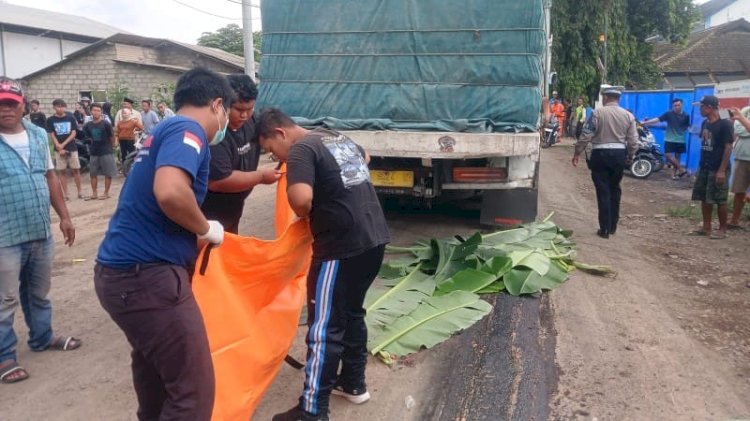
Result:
220,134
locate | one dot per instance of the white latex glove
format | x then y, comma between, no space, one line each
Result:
215,233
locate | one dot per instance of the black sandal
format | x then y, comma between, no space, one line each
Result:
64,343
11,368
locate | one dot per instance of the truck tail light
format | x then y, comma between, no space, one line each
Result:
479,174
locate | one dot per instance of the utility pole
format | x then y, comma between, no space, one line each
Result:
606,39
247,38
548,51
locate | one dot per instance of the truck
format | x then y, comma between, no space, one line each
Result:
446,97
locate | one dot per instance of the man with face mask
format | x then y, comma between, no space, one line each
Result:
234,162
142,275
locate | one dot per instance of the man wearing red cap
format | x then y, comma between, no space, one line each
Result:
28,185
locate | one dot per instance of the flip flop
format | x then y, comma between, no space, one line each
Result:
719,236
104,197
735,227
86,199
698,233
64,343
11,368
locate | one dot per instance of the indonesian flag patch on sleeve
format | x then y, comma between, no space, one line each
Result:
193,141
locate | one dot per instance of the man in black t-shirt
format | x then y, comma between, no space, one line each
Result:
234,162
37,117
711,188
101,136
62,128
328,180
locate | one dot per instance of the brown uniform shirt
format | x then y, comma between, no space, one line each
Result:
610,124
126,129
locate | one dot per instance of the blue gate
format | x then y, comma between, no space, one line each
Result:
652,104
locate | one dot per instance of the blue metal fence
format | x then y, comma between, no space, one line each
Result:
651,104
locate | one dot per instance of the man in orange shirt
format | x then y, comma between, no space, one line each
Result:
557,108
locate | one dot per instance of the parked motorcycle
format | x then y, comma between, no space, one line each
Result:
83,154
127,163
551,131
648,158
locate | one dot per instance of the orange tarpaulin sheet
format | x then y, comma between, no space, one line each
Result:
251,295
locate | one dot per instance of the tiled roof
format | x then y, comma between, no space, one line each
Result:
721,49
215,53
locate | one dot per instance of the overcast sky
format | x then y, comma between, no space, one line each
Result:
173,19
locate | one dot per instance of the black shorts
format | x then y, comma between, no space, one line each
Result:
674,147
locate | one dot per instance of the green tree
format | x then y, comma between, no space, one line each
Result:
116,93
577,26
229,39
163,92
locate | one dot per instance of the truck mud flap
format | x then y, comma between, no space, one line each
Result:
508,207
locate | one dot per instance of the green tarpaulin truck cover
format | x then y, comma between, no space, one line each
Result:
435,65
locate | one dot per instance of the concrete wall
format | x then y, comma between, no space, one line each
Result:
739,9
98,70
24,54
93,71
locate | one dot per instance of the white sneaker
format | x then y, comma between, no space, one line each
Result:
355,396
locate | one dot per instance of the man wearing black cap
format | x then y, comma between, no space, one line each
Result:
711,188
614,140
127,103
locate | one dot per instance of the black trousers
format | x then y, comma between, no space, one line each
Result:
126,147
607,166
335,295
154,306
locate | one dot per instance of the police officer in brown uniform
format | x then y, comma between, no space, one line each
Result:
614,140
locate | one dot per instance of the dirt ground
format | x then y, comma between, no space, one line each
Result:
650,344
653,343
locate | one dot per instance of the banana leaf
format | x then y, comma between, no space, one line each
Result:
451,257
516,235
493,288
532,259
498,265
392,272
420,251
528,281
431,323
383,305
471,280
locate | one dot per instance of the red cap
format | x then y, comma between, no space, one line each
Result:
10,89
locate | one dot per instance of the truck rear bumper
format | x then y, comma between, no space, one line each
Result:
446,145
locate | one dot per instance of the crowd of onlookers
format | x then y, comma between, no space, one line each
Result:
91,132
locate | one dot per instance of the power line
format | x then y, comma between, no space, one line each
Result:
203,11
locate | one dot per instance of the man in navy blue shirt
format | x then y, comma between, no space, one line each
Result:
142,276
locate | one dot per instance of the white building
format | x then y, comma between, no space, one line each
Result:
719,12
33,39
